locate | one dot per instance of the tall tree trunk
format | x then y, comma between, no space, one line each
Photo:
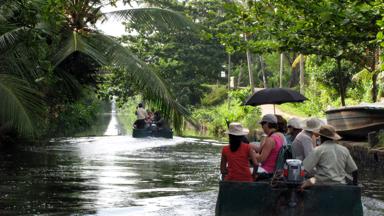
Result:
341,82
375,66
263,71
249,62
229,71
302,74
374,91
240,74
281,69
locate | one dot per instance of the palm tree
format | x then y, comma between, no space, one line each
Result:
20,101
70,25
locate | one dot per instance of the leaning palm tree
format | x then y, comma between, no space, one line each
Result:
70,28
20,101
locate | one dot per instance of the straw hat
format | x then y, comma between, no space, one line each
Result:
328,131
294,122
269,118
311,124
237,129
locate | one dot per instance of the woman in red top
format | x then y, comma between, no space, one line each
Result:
235,157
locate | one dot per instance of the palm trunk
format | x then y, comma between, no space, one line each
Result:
240,74
341,82
374,68
281,69
249,62
302,74
229,72
263,71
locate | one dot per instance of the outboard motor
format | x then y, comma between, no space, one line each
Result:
293,172
294,176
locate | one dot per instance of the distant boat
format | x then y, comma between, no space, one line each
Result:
152,132
355,122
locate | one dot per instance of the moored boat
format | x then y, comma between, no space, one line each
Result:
355,122
152,132
260,198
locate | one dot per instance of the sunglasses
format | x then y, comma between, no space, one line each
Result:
263,123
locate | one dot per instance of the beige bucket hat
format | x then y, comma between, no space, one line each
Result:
237,129
328,131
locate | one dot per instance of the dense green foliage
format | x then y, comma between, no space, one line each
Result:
52,52
213,118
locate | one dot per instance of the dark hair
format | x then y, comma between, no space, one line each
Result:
323,139
281,124
272,125
140,105
234,142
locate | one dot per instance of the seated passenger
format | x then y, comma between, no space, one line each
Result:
235,157
159,121
141,115
293,129
332,161
269,150
303,144
281,128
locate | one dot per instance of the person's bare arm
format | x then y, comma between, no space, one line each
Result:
266,150
223,167
252,155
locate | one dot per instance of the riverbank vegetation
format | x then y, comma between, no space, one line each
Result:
198,59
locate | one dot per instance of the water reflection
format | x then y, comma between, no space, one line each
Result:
121,175
113,126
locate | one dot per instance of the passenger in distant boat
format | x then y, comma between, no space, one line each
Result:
281,128
303,144
294,128
141,115
159,120
269,150
332,161
149,118
235,157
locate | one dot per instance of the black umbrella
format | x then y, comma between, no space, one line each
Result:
274,96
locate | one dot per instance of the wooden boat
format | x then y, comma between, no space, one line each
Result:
152,132
355,122
260,198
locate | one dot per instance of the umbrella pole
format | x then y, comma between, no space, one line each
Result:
274,109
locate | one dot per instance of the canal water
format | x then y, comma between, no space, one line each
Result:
121,175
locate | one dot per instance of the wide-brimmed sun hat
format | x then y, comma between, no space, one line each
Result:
328,131
237,129
311,124
294,123
269,118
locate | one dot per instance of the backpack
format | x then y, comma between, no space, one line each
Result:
284,154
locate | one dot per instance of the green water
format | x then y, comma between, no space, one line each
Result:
120,175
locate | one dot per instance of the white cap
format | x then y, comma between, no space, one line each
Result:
294,122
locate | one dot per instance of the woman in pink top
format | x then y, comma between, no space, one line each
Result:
235,157
269,151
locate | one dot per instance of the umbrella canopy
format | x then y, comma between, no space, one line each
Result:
274,96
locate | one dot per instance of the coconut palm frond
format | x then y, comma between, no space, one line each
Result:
107,51
11,37
75,42
143,77
157,18
19,104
